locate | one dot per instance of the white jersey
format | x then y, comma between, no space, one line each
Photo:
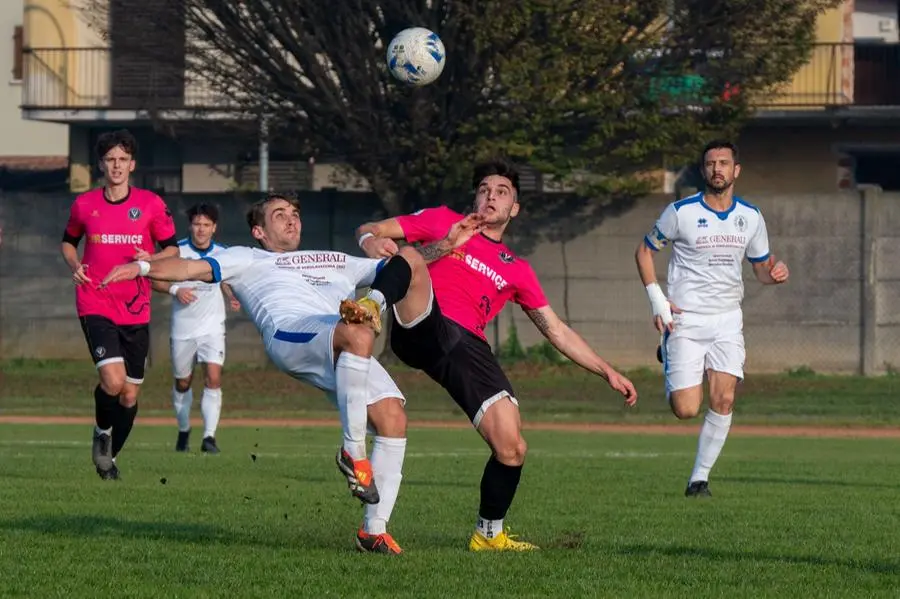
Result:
708,247
206,315
278,289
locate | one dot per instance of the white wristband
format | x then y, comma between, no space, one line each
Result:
173,290
363,237
658,303
144,266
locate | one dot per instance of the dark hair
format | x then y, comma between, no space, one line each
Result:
720,144
498,167
256,215
207,210
122,137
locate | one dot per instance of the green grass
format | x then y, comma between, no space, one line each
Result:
789,518
547,393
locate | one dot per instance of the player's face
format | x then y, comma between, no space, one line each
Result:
495,198
117,165
281,233
720,170
202,231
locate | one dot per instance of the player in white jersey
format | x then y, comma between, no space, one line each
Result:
294,298
701,320
198,332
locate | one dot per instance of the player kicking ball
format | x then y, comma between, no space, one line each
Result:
701,321
294,297
442,309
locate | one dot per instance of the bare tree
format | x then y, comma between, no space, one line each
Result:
592,93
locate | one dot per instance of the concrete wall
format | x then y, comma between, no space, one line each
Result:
838,313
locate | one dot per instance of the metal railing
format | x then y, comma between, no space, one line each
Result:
836,75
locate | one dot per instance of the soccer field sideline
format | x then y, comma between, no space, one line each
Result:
825,432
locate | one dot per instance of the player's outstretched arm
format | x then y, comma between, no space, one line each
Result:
168,269
378,239
573,346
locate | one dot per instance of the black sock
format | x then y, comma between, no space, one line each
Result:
498,487
393,280
104,408
122,427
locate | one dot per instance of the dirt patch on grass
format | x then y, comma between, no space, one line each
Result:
588,427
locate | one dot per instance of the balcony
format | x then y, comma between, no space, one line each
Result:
63,83
842,76
68,84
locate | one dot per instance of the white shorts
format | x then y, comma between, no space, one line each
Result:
305,351
186,353
702,342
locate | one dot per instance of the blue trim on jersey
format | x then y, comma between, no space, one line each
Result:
648,244
760,259
688,201
289,337
217,270
746,203
724,213
380,265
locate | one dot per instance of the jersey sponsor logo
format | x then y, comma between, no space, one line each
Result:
317,258
116,239
134,213
506,257
702,222
481,267
721,241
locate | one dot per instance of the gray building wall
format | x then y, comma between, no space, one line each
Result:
838,313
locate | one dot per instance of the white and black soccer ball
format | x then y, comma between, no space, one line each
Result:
416,56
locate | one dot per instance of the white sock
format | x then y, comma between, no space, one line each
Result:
387,468
211,408
100,431
182,404
378,297
712,438
488,528
351,377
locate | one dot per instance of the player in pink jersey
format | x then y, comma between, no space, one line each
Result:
119,223
440,314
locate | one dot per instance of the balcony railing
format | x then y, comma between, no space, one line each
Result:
97,78
837,75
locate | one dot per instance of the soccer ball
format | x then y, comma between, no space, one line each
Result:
416,56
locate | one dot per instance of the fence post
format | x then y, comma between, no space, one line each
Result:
870,205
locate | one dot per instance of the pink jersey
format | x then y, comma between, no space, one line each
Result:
474,282
113,232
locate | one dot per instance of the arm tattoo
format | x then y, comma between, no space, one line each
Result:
433,251
540,321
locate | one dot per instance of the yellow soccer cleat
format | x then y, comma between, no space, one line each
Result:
502,542
365,311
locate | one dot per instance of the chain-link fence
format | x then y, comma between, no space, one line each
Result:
835,315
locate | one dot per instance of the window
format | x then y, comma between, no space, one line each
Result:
18,53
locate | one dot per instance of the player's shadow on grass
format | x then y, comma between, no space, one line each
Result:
120,528
817,482
873,566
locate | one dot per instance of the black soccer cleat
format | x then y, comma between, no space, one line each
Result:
698,488
209,445
182,443
111,474
101,452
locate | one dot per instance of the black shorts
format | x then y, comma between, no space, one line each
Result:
110,342
456,359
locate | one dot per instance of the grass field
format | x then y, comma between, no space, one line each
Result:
798,517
